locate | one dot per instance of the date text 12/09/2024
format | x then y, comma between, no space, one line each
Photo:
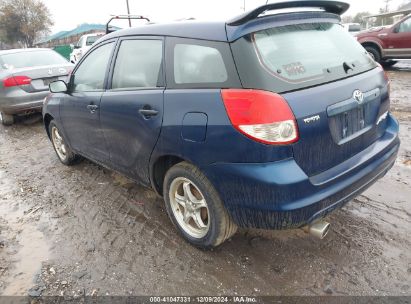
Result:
205,299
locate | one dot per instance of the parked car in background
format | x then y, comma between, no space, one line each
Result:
83,45
352,28
386,45
25,75
233,123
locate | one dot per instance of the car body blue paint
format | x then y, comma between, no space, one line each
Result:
316,150
130,136
223,143
194,127
280,195
262,186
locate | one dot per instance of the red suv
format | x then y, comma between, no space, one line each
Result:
386,45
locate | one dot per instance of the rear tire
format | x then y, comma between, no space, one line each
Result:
6,119
388,63
63,151
195,207
374,53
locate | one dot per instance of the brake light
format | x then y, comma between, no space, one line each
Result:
14,81
260,115
387,79
385,72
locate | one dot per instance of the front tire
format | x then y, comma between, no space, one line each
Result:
195,207
374,53
63,151
6,119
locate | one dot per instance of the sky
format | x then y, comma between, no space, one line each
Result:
68,14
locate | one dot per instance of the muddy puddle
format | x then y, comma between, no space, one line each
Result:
22,239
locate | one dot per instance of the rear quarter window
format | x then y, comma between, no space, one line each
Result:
200,64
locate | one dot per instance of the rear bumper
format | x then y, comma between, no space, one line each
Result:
22,103
280,195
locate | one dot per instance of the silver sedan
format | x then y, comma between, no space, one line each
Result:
25,75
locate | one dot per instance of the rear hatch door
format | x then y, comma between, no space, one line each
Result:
335,122
336,91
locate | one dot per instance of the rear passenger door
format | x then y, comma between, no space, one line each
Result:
132,108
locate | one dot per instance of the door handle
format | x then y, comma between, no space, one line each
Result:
147,113
92,108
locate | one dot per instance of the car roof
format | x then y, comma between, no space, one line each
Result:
188,29
14,51
229,30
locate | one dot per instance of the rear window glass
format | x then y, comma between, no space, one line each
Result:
294,57
315,51
198,64
31,59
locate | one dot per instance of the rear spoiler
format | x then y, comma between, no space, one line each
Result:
334,7
123,17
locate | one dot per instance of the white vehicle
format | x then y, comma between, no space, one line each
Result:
83,45
352,28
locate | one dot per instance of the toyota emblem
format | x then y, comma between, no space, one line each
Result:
358,96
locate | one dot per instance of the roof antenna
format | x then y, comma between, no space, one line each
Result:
266,2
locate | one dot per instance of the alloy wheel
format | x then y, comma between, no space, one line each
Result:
58,143
189,207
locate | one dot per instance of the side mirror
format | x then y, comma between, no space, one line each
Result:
58,86
72,46
396,29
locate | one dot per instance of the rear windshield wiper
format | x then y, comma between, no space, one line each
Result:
347,67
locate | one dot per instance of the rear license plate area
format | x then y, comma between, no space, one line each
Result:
350,119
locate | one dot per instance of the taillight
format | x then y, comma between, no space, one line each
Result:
387,79
260,115
14,81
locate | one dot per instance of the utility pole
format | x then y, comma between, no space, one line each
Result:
387,5
128,13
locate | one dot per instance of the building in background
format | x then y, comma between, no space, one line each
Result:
61,41
386,19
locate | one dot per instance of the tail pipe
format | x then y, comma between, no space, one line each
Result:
318,229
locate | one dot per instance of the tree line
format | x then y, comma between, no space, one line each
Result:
23,22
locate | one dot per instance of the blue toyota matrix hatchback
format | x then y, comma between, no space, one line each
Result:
271,120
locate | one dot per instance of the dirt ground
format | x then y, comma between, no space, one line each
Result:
84,230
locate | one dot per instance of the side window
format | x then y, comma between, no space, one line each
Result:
198,64
138,64
405,27
92,71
